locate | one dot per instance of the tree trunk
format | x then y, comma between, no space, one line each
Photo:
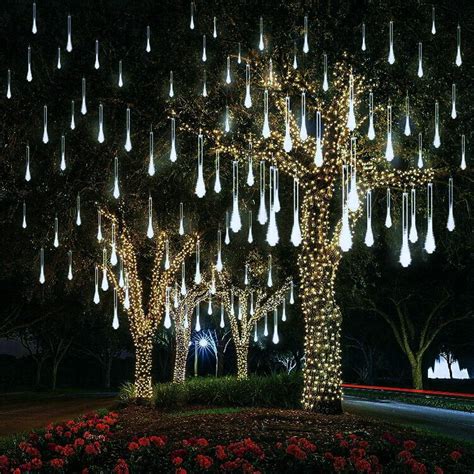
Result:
107,371
143,365
417,373
183,336
242,350
318,262
54,374
220,358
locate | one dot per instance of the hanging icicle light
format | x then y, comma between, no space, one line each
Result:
151,159
69,34
305,36
116,192
430,244
200,189
197,327
96,62
296,229
433,24
463,152
167,262
183,289
222,322
120,75
261,45
58,62
29,75
214,30
458,50
235,221
23,222
62,165
239,54
175,296
369,235
99,226
265,326
250,176
420,150
173,154
413,235
96,298
246,274
389,154
83,102
105,282
100,135
191,21
266,123
420,60
56,232
255,333
391,54
454,113
128,140
295,60
197,274
345,236
351,120
262,211
248,97
272,236
250,234
73,121
181,219
353,195
276,191
270,71
219,265
303,131
227,120
27,171
204,85
9,84
42,279
171,89
269,277
149,232
450,224
227,233
209,303
115,320
113,253
78,210
364,45
275,338
217,182
213,288
405,257
407,130
45,124
371,130
252,309
325,76
292,292
126,299
121,282
436,139
318,154
167,318
228,78
148,39
204,54
388,217
283,310
69,271
287,142
34,28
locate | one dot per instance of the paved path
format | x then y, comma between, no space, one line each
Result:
452,423
18,416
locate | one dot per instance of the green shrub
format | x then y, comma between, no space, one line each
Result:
127,392
272,391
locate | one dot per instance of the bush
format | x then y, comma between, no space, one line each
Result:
282,391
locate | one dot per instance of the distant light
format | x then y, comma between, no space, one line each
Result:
203,342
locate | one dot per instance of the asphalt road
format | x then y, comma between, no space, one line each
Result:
452,423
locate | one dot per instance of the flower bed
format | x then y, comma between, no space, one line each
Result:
90,445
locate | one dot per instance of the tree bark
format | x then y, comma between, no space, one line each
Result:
183,336
54,375
417,373
143,366
242,350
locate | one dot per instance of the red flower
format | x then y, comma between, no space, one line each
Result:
455,455
344,444
85,471
405,455
158,441
296,452
202,442
220,453
339,463
144,441
181,470
438,470
418,468
329,456
4,461
204,462
409,445
363,444
362,465
78,442
56,463
133,446
339,436
48,436
121,467
177,461
91,450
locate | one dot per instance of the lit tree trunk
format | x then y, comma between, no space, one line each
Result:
242,350
318,262
416,363
143,365
183,336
